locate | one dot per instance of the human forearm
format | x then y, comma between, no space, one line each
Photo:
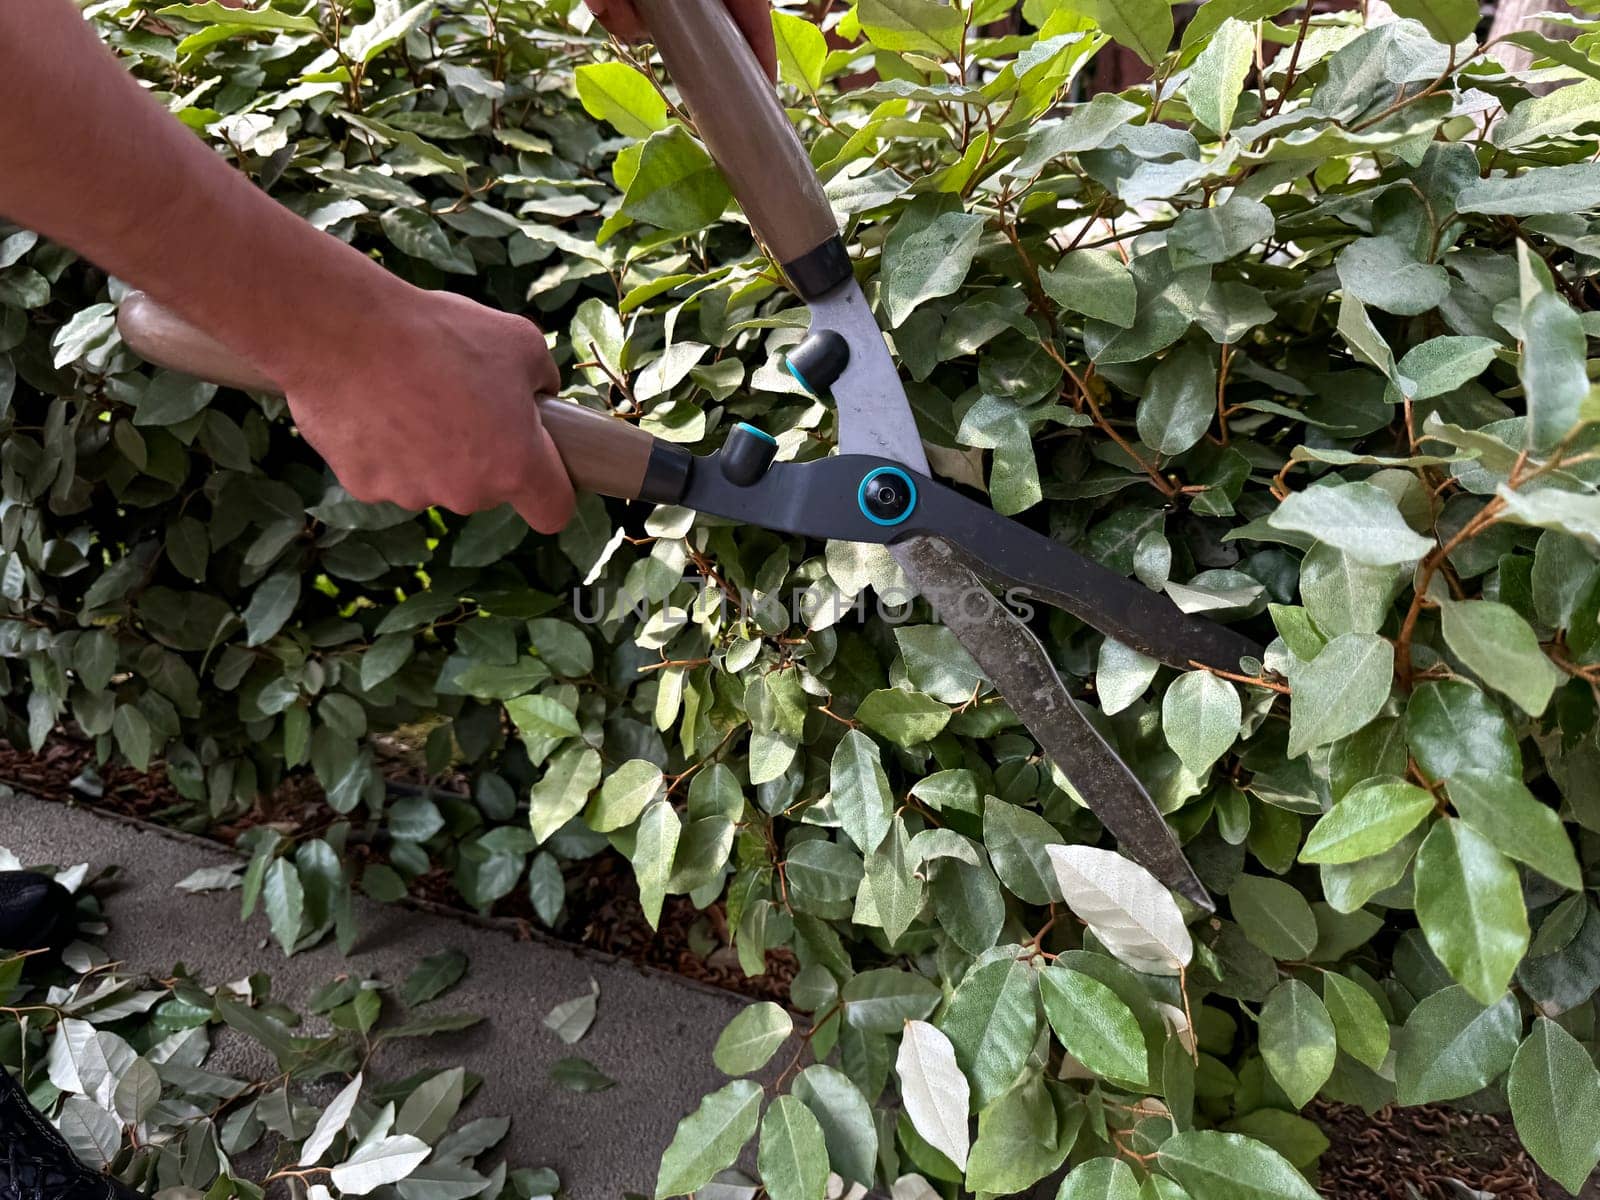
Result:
99,166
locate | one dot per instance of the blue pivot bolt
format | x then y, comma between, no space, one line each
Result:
887,496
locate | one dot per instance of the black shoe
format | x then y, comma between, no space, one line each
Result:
36,913
35,1163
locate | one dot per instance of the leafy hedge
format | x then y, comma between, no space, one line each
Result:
1305,349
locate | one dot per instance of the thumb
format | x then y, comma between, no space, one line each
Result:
547,501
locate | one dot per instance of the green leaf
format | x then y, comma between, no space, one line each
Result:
1554,347
284,898
271,605
1017,840
1450,21
1508,816
1021,1139
1096,283
802,50
677,187
615,92
655,846
846,1120
1469,903
1363,1032
1498,646
213,13
563,790
1379,273
920,26
928,252
579,1075
1100,1179
1359,518
905,718
1226,1166
1297,1041
134,736
384,657
1200,716
1274,916
752,1038
793,1157
1179,402
860,791
542,717
429,1109
1216,78
1216,234
416,233
882,1000
1339,691
992,1020
625,794
1451,726
488,537
1344,595
1550,116
390,22
1094,1025
1143,26
709,1139
1452,1046
1534,192
171,398
1371,818
433,977
571,1019
938,664
1554,1091
893,883
1442,364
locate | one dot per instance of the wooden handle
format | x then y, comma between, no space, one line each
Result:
738,114
602,454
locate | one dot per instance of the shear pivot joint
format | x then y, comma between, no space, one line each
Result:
887,496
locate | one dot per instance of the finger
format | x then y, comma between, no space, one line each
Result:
544,375
619,17
546,504
754,18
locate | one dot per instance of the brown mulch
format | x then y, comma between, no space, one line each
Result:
1375,1158
602,909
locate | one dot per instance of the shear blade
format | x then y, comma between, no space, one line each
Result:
1017,665
1040,568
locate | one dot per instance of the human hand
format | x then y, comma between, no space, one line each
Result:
754,18
431,402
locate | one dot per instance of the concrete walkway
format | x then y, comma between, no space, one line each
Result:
653,1035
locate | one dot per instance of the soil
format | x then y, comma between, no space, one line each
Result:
1430,1153
1439,1153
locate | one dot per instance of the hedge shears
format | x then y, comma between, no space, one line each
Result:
878,487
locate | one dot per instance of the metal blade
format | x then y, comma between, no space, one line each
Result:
874,416
1013,556
1017,665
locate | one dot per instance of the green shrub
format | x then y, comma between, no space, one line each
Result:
1309,356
